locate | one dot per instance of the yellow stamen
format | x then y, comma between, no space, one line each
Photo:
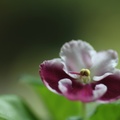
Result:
85,76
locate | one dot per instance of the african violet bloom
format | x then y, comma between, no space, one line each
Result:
82,74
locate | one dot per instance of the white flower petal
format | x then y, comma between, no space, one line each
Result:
62,84
99,91
77,55
117,72
104,62
97,78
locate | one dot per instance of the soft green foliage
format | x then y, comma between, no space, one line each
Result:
31,80
75,118
59,107
13,108
109,111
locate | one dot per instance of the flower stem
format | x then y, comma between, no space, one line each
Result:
84,111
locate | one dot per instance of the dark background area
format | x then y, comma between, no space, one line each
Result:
34,30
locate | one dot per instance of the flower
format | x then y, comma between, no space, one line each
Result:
82,74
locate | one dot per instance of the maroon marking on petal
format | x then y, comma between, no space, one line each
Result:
51,71
113,87
78,92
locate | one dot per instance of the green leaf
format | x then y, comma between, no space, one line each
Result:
3,117
74,118
59,107
31,80
109,111
13,108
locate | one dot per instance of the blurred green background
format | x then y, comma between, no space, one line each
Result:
34,30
